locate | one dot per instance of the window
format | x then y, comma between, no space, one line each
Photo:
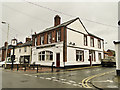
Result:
25,49
99,56
58,36
92,42
42,40
49,38
46,56
79,55
20,50
99,44
85,40
35,41
92,54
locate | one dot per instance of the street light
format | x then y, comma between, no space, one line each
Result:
7,41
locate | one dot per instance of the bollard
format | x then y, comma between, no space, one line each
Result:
17,67
37,68
52,67
25,68
33,67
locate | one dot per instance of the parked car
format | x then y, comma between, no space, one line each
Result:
2,63
109,61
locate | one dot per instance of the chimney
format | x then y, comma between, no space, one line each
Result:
5,44
57,20
28,39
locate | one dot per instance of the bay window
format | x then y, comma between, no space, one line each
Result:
45,56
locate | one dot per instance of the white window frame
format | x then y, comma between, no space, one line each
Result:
49,38
42,40
79,53
46,56
25,49
58,35
36,41
85,40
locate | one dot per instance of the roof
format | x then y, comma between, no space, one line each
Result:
29,43
65,24
94,36
9,47
60,25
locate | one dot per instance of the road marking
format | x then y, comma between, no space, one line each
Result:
53,77
72,81
42,77
63,79
26,74
104,81
48,78
83,68
30,75
85,81
36,76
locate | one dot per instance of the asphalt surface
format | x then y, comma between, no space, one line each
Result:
66,79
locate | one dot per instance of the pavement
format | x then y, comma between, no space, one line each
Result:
107,80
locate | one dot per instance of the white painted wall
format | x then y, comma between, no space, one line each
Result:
76,25
78,39
117,49
71,57
56,49
22,53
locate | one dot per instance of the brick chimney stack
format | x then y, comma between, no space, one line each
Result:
28,39
57,20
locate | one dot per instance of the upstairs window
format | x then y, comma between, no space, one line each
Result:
35,41
58,36
85,40
20,50
49,38
42,40
79,55
25,49
92,42
99,44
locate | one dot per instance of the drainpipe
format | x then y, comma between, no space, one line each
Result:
64,48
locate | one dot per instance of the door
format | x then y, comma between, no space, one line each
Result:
90,57
57,59
90,60
99,56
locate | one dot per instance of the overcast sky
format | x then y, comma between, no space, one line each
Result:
25,18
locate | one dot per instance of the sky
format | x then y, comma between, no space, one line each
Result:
24,18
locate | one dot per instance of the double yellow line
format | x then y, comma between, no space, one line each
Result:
82,68
85,81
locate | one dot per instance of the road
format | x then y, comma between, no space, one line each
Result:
66,79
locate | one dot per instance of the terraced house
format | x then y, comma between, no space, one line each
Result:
66,44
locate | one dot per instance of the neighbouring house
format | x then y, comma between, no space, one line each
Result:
3,51
111,52
66,44
23,52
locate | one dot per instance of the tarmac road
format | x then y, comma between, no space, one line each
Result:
66,79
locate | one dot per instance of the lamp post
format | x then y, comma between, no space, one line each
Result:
7,42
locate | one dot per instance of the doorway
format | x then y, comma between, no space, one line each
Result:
57,59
